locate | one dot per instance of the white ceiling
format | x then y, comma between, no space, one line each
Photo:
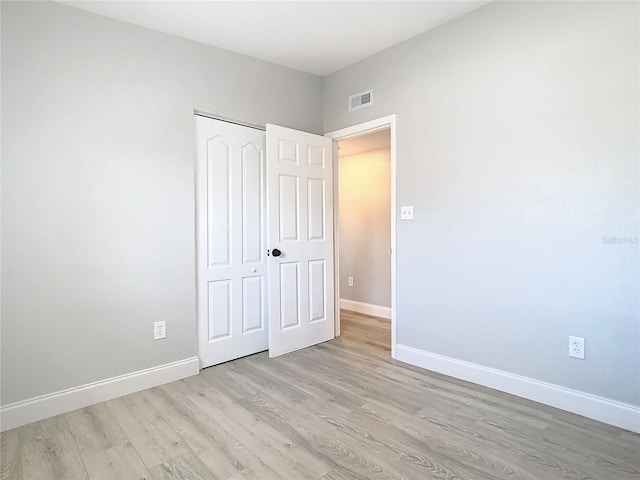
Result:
365,143
318,37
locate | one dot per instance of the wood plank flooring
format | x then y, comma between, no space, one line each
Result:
340,410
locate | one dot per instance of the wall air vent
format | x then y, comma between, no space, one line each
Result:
360,100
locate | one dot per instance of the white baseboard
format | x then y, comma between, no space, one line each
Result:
366,308
598,408
38,408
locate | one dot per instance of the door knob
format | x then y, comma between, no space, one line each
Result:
275,252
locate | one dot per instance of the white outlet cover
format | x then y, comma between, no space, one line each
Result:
406,212
159,330
576,347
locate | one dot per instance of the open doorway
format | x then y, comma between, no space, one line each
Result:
364,212
365,231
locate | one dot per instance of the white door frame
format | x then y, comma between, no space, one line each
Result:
342,134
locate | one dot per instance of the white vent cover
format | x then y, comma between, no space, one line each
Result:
360,100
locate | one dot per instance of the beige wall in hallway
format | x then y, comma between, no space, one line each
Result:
365,227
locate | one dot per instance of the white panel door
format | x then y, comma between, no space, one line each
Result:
300,230
230,226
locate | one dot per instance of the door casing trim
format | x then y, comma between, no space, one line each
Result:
389,121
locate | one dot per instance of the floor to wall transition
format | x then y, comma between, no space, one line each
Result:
339,410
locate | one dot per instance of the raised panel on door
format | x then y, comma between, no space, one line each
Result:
317,293
218,201
288,152
288,207
219,309
252,304
289,279
300,220
315,208
252,204
315,156
230,241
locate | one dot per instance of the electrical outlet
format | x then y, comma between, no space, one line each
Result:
351,281
406,213
576,347
159,330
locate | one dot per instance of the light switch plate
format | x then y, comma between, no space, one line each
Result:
406,213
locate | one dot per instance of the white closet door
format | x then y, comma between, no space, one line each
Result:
230,226
300,219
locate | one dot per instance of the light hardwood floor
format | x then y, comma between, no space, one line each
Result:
340,410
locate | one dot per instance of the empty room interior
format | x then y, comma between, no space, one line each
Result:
320,240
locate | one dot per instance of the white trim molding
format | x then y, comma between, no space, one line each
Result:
592,406
366,308
38,408
390,122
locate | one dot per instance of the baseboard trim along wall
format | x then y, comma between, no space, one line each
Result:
366,308
598,408
38,408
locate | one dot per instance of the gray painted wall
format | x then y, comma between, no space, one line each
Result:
518,146
97,187
365,226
